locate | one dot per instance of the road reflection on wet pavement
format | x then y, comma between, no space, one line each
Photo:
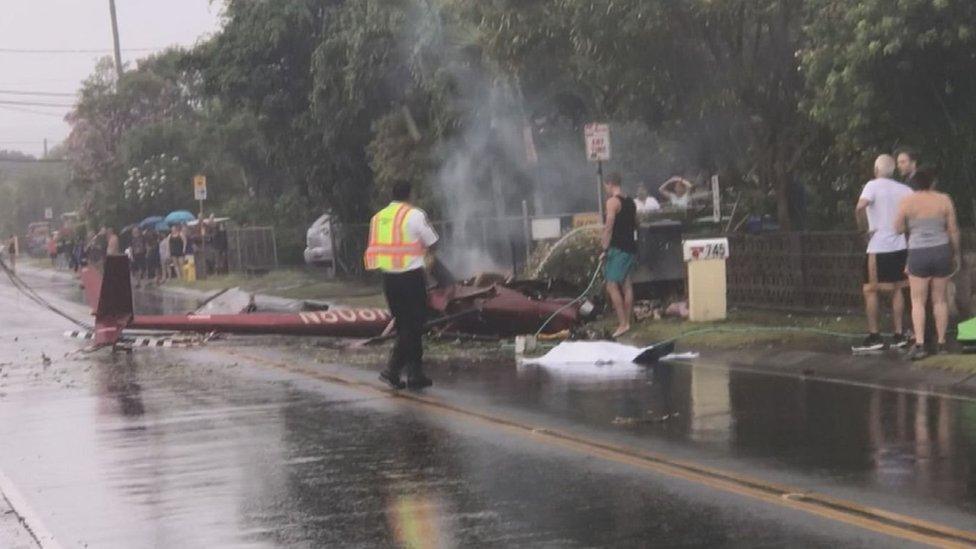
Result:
898,441
150,457
198,448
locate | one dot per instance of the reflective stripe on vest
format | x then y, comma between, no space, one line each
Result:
390,247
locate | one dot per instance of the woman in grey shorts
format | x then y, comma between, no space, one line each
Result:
929,218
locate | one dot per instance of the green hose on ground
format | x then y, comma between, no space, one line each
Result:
586,292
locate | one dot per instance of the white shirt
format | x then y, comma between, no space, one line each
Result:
883,197
419,229
682,201
650,204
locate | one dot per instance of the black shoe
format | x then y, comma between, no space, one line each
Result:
898,341
419,382
872,343
941,349
392,380
918,352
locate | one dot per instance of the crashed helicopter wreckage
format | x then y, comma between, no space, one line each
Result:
492,310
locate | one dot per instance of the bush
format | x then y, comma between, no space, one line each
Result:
572,259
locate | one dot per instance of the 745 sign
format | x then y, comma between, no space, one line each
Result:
711,248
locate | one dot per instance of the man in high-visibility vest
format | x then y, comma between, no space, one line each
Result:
400,237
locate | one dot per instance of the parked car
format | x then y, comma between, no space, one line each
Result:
318,244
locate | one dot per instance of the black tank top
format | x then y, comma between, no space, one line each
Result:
176,247
624,226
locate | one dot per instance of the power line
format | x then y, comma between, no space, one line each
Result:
33,161
38,93
35,104
31,111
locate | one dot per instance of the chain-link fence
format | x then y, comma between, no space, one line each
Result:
251,249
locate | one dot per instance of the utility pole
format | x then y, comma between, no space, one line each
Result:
115,35
45,147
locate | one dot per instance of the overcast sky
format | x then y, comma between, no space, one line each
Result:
78,25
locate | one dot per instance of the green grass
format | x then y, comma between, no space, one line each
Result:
957,363
760,330
751,329
294,284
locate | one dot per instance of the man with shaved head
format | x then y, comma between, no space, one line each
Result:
884,265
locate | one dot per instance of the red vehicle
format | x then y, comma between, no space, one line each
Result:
492,310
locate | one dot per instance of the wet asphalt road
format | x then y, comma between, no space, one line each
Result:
230,446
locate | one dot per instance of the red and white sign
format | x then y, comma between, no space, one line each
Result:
710,248
597,142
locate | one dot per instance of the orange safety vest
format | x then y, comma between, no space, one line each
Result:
390,247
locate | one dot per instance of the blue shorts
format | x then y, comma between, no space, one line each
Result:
618,265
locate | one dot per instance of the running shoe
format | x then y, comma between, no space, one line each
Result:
918,352
392,380
898,341
872,343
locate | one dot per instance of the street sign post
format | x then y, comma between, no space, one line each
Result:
200,194
200,187
597,142
716,200
598,150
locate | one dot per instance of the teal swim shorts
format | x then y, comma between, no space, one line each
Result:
618,265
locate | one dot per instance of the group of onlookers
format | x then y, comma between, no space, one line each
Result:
914,242
156,256
676,193
159,257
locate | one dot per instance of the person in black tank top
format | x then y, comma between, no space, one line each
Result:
619,251
177,250
625,226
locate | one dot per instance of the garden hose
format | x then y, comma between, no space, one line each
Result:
593,279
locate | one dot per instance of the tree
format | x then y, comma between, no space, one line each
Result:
28,187
720,77
882,77
108,110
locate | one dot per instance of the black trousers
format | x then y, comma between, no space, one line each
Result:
406,294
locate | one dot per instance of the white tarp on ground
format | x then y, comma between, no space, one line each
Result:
598,353
588,352
603,360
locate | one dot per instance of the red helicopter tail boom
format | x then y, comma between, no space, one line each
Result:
110,297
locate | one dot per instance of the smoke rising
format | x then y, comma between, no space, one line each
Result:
489,167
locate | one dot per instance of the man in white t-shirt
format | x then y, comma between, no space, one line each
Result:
645,202
884,266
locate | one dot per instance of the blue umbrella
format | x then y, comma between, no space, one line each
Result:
179,217
150,222
161,227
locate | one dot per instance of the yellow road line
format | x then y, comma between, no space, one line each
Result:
870,518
